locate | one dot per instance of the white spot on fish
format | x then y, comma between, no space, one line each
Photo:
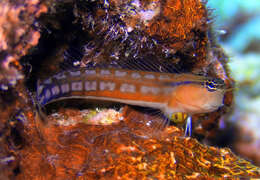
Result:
90,86
104,72
107,86
127,88
147,90
90,72
65,88
149,76
55,90
135,75
76,86
167,90
120,73
164,77
74,73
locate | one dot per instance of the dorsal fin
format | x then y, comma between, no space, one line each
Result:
73,58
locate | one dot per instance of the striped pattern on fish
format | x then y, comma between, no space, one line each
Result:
168,92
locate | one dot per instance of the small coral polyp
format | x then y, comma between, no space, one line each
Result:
71,117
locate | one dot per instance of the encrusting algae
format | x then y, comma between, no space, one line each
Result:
80,139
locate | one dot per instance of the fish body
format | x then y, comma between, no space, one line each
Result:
169,92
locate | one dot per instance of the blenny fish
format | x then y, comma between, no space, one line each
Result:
169,92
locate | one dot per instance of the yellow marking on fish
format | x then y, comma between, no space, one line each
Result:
178,118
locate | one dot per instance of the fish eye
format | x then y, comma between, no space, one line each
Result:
211,85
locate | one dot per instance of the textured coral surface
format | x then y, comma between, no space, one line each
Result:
17,36
37,146
129,149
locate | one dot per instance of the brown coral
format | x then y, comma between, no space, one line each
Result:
17,36
126,150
